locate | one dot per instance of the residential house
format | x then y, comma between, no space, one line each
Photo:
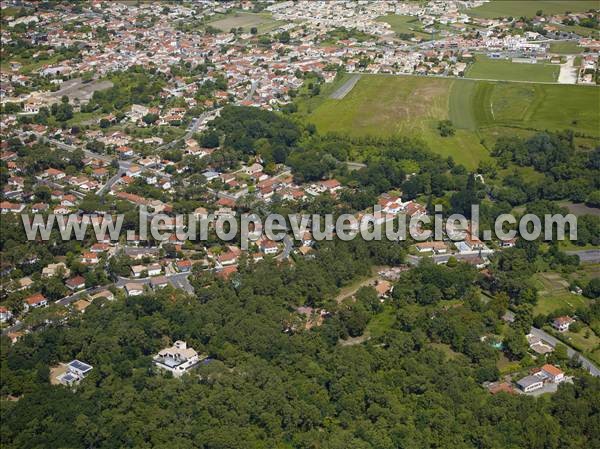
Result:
104,294
562,323
178,359
552,373
134,289
76,372
159,282
75,283
35,302
184,266
5,314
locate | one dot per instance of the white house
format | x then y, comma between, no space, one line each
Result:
552,373
76,371
562,323
5,314
178,359
134,289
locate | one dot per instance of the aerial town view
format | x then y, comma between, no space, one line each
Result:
341,224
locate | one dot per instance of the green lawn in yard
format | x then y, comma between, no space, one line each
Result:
505,70
565,48
528,8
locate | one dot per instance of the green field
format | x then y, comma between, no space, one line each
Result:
493,69
553,294
481,111
565,48
405,25
246,20
399,105
528,8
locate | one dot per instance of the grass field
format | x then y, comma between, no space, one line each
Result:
246,20
399,105
405,24
553,294
528,8
494,69
481,111
565,48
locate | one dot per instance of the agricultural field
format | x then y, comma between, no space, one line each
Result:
536,106
495,69
528,8
263,22
481,111
554,294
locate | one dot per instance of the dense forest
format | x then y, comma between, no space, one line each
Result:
267,386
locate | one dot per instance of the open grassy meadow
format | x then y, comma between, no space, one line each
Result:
481,111
263,22
496,69
528,8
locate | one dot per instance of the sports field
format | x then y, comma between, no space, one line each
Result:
502,69
245,20
481,111
528,8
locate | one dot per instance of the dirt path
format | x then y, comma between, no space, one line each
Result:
568,73
350,290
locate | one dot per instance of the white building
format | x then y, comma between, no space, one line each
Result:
178,359
76,371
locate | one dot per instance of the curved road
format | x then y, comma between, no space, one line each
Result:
552,341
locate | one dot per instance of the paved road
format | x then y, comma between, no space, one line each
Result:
552,341
61,302
288,245
587,255
345,88
123,167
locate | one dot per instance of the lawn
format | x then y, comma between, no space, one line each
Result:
528,8
496,69
263,22
405,25
383,105
565,48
